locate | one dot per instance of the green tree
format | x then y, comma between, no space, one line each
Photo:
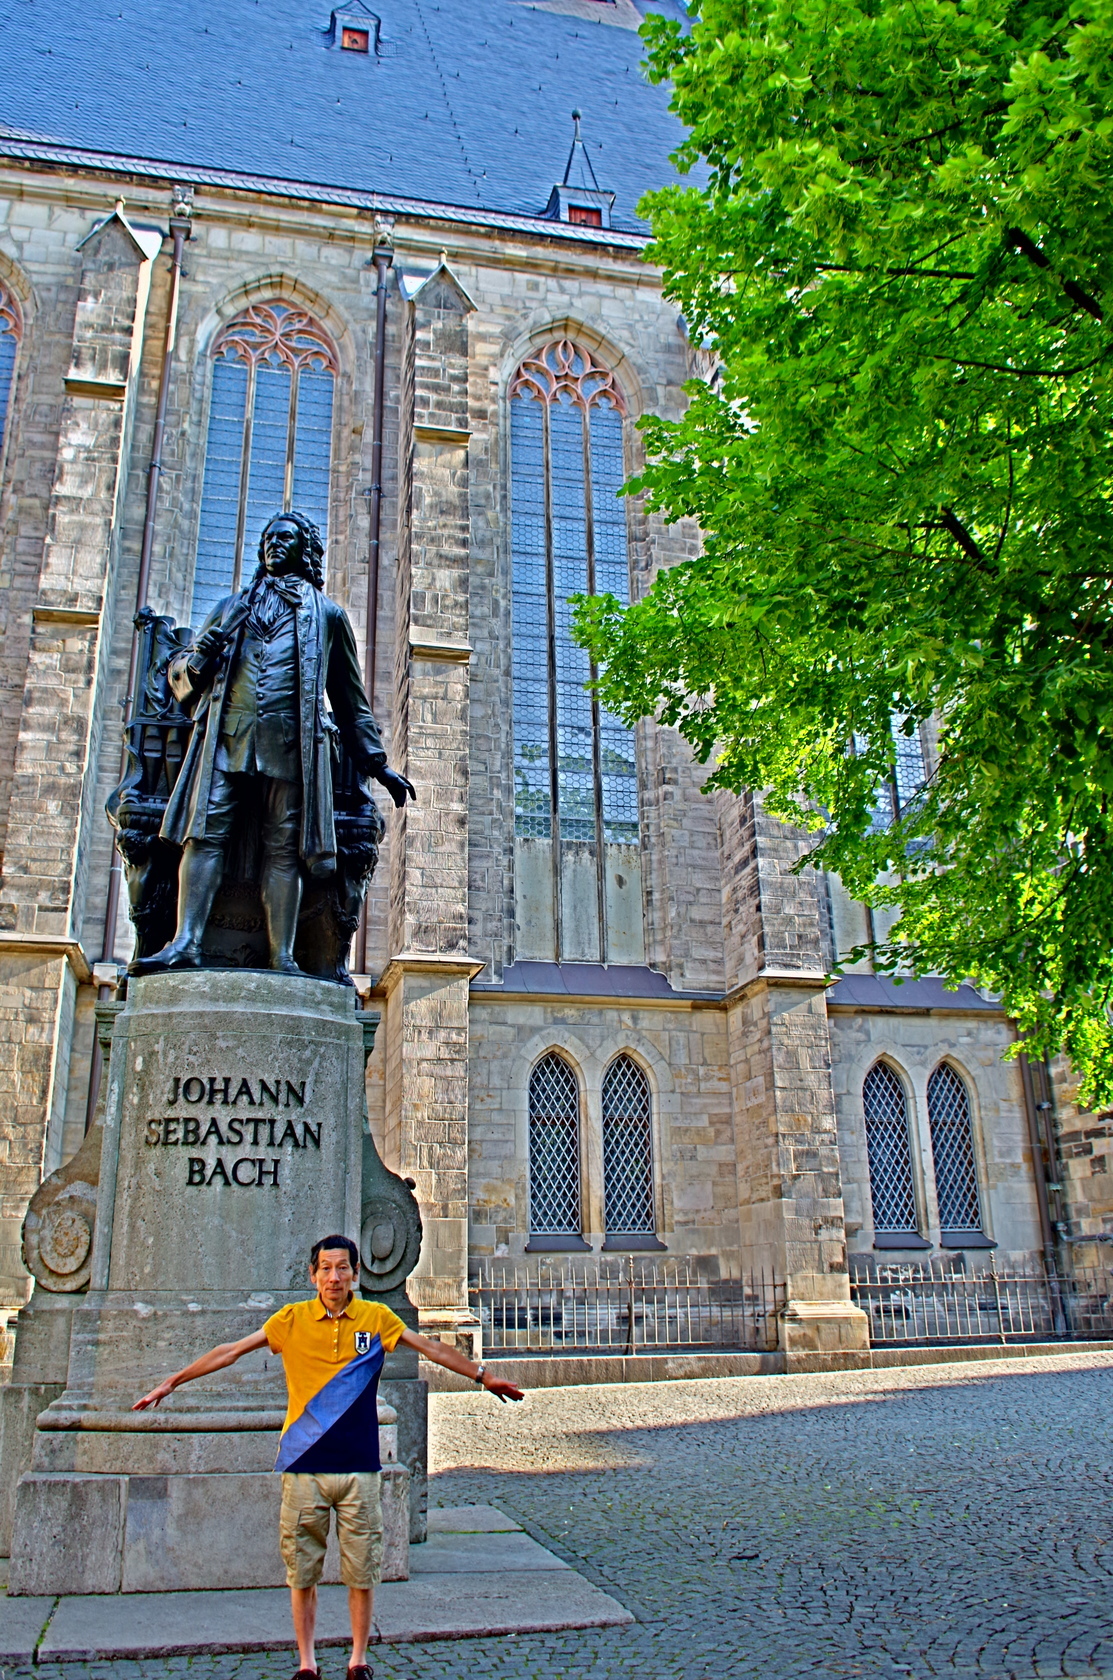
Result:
902,467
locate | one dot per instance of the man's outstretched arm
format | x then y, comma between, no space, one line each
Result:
440,1354
215,1360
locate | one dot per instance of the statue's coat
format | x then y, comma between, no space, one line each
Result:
327,663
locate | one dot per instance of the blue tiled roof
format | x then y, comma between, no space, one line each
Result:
878,991
470,103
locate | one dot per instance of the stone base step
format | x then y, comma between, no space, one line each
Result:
478,1575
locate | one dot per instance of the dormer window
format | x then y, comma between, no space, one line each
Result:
578,198
354,28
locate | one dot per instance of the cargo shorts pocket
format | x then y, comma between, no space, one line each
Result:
303,1529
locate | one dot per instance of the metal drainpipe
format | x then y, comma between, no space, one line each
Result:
383,257
180,229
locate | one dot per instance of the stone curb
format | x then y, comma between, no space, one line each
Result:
562,1371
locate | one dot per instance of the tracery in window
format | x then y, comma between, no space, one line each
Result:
11,331
269,443
889,1152
952,1150
578,882
627,1150
554,1148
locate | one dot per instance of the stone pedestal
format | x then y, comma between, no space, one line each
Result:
234,1136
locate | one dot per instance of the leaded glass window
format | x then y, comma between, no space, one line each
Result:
269,444
952,1149
11,331
627,1149
554,1149
575,775
909,773
889,1151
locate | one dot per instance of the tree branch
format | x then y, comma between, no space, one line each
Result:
898,273
952,523
1019,240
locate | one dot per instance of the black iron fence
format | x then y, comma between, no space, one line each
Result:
625,1305
910,1304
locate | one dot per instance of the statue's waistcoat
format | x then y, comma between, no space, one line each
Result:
259,730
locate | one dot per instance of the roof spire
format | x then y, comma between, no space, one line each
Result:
578,197
578,171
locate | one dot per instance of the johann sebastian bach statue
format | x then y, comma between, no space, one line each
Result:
264,750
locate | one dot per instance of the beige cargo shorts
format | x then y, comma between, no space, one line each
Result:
304,1524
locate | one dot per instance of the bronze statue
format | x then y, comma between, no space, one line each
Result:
264,756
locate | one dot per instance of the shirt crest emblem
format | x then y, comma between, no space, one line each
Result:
363,1341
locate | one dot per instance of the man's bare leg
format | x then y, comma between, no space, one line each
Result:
360,1604
303,1608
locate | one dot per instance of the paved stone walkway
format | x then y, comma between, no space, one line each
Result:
945,1520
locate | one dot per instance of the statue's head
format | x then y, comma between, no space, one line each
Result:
291,545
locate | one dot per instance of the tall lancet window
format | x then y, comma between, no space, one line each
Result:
889,1151
11,331
952,1149
269,443
627,1150
578,860
554,1149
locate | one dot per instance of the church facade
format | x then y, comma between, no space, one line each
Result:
365,264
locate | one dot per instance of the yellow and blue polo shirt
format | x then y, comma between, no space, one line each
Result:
332,1370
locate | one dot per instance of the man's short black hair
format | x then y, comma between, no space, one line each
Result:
334,1242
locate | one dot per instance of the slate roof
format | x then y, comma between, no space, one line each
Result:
878,991
469,103
576,979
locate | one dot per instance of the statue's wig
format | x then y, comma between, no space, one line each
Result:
312,549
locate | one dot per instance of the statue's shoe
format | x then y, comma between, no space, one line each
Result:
172,956
289,967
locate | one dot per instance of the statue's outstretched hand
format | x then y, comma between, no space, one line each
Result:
206,647
399,787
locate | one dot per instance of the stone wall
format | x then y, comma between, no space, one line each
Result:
683,1052
1084,1145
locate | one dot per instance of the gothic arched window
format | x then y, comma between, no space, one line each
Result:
889,1151
627,1150
11,331
269,443
952,1150
578,876
554,1149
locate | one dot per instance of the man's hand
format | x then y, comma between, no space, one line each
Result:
156,1394
399,787
500,1388
453,1360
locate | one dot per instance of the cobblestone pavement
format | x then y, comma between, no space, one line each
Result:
946,1520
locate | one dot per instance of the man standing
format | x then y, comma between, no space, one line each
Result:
332,1349
257,678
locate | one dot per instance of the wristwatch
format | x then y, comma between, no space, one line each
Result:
480,1373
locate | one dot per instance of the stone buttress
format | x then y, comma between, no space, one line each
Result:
789,1188
425,985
